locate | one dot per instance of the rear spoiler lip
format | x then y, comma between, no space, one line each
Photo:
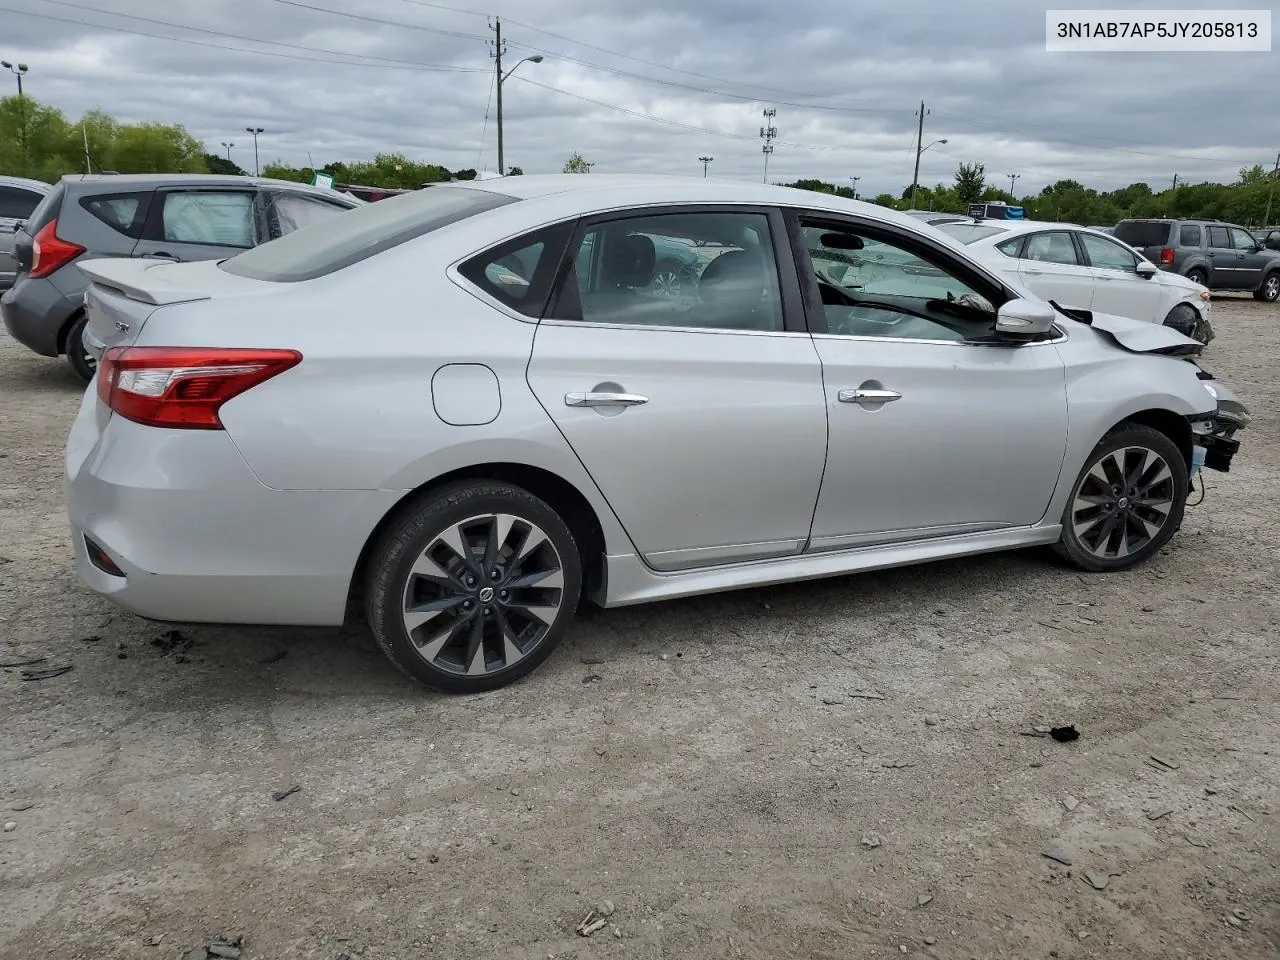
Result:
100,272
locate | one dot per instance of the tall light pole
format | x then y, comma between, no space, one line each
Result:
705,161
1013,178
227,146
18,70
255,131
855,186
767,133
498,51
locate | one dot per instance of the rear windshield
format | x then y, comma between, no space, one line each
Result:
46,210
337,242
1143,233
968,232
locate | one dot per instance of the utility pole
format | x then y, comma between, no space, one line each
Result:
1175,182
255,131
498,51
705,161
767,133
1013,178
1275,175
915,177
84,132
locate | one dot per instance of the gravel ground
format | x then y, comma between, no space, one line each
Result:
719,783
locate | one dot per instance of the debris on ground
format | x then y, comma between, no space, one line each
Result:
832,701
1035,732
899,764
286,792
591,661
871,841
924,899
46,674
592,678
218,948
23,663
930,941
153,941
930,720
1098,879
606,908
1059,853
11,826
122,651
1070,803
173,641
1158,814
1065,734
93,639
591,923
21,806
1241,915
868,695
1164,763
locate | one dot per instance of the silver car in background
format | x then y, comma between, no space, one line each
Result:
19,196
472,406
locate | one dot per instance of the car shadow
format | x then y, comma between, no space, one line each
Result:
34,372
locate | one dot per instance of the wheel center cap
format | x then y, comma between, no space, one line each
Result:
486,595
1124,503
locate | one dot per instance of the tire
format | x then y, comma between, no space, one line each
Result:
1269,292
1197,275
671,279
1188,322
1089,534
417,563
83,364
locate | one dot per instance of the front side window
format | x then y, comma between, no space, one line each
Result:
1107,255
209,217
292,211
1052,247
712,270
872,287
1243,239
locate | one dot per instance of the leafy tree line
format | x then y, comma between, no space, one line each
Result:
1244,201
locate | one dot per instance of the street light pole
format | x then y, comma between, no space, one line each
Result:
1013,178
705,161
18,70
255,131
227,147
855,186
915,180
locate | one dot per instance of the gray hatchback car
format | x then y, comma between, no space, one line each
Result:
178,217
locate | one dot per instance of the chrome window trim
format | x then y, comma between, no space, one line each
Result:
1062,337
721,331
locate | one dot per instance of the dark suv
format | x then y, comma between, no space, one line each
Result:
1220,256
160,216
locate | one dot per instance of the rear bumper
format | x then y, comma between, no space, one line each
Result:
35,312
197,537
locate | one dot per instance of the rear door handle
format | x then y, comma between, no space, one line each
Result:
604,399
868,397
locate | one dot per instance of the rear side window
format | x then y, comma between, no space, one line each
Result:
292,211
1189,235
319,250
520,273
123,212
1143,233
209,217
17,204
1218,237
46,211
1010,247
968,232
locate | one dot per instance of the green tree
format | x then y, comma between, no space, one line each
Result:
467,174
220,164
970,182
515,172
576,164
281,171
156,148
885,200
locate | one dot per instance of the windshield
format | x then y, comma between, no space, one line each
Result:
1143,233
334,243
968,232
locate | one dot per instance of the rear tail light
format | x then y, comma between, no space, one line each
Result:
1166,257
183,387
49,252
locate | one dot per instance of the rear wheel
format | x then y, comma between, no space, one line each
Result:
473,587
671,280
1196,275
1127,502
1269,292
81,360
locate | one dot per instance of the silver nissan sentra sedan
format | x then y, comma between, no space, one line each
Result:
471,406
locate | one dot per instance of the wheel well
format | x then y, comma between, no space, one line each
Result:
66,329
559,494
1176,428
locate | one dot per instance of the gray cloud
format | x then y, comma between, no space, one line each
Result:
845,77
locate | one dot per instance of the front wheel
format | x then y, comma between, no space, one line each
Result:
1269,292
1127,501
473,587
81,360
1189,323
1198,276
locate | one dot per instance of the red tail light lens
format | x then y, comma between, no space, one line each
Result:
1166,257
183,387
49,251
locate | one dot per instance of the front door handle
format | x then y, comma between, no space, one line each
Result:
864,397
604,399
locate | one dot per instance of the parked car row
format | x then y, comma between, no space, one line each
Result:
18,198
1081,267
1221,256
470,406
154,217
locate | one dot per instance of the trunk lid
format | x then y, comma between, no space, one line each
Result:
124,293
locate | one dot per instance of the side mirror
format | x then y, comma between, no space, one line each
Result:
1145,270
1024,319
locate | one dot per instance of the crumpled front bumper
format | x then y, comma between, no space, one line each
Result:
1214,433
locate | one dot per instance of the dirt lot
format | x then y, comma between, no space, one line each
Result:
718,783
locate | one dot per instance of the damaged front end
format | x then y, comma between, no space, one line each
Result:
1214,433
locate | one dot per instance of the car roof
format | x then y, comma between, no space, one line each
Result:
136,181
37,185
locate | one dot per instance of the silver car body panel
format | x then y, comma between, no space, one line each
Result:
726,477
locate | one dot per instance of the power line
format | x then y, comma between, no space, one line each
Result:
221,46
233,36
380,20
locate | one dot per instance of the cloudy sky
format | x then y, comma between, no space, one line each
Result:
650,87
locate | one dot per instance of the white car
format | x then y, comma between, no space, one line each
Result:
1079,267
